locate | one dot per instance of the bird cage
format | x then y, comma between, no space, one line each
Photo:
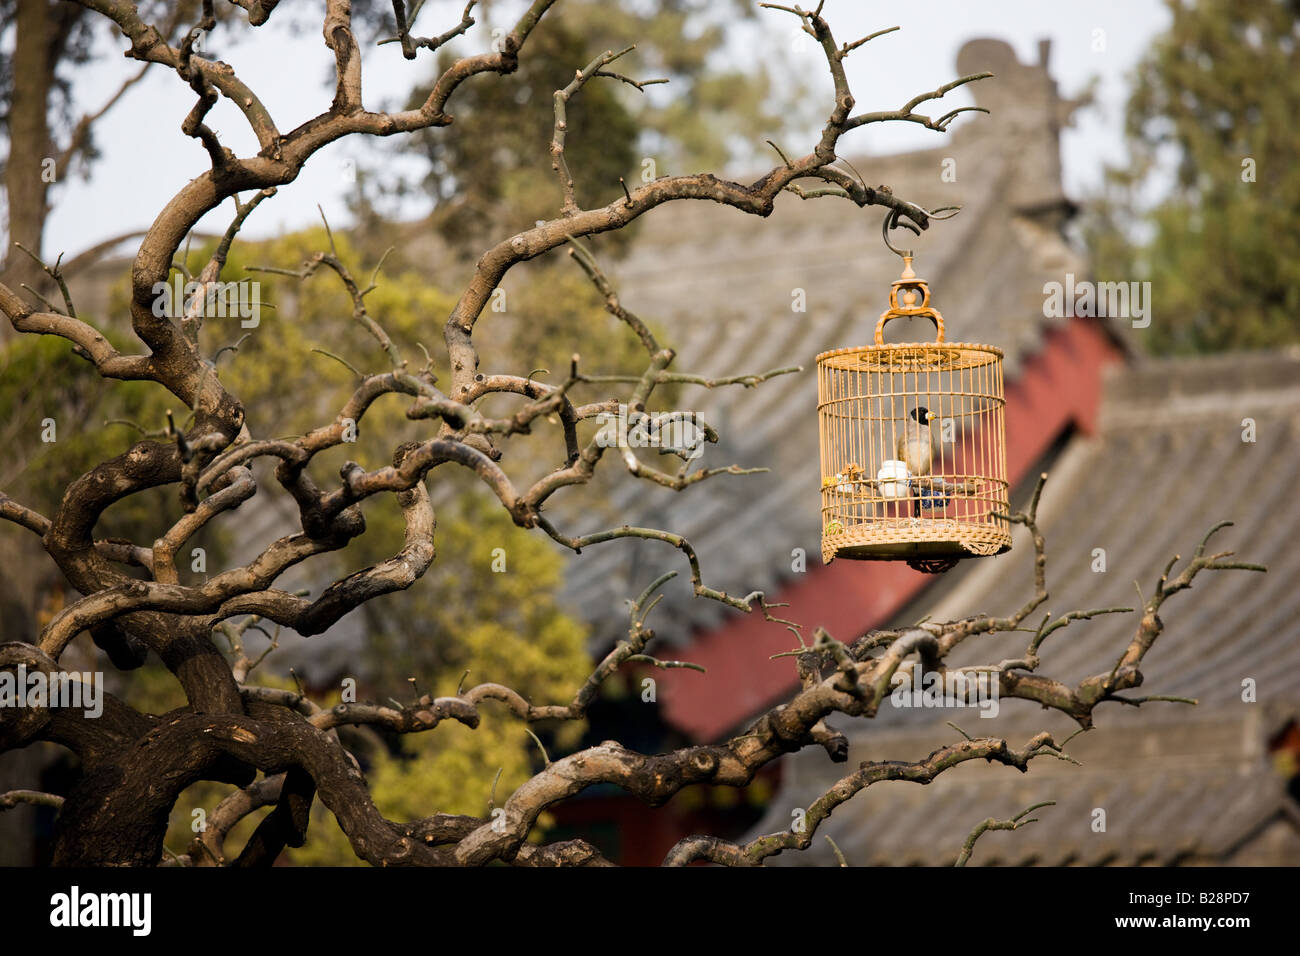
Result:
913,445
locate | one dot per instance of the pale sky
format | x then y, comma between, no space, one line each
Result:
145,159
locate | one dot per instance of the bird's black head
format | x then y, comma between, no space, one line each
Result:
922,415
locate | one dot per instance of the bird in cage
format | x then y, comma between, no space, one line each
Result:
915,446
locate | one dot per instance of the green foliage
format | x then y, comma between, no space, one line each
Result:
285,386
500,625
551,312
486,607
1211,118
42,378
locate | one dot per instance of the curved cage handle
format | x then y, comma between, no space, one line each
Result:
911,287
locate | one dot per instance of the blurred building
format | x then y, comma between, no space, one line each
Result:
1144,457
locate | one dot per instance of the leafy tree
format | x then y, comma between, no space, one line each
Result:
1209,131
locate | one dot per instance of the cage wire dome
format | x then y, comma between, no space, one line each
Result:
913,444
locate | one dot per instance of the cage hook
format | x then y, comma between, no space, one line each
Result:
892,221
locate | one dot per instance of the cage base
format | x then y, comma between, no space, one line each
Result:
916,541
909,552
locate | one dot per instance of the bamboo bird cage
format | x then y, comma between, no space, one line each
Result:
880,502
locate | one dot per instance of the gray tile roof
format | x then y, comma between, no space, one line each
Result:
1163,803
1169,461
1178,782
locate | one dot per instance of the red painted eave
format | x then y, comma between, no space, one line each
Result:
1059,387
